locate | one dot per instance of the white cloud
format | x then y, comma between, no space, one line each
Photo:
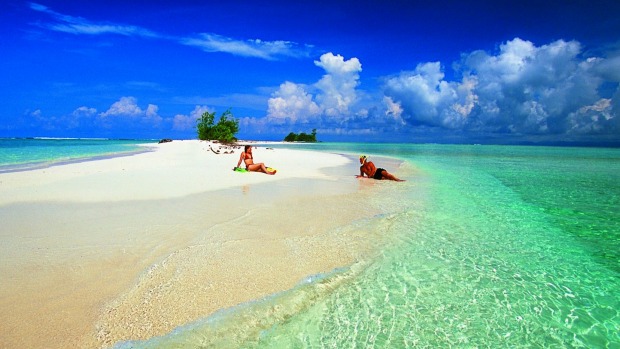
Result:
532,89
151,117
126,113
338,86
466,97
336,65
124,118
36,113
182,122
81,116
523,89
510,63
427,99
151,110
126,106
198,111
291,103
79,25
334,93
594,119
608,69
84,111
269,50
393,109
98,29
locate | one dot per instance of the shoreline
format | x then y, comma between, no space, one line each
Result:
39,165
110,250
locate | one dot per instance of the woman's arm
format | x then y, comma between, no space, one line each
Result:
241,157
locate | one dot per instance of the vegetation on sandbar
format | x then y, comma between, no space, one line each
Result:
224,131
302,137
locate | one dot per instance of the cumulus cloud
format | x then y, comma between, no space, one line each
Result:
338,87
531,89
427,99
523,89
82,116
126,111
332,96
182,122
336,65
291,103
126,106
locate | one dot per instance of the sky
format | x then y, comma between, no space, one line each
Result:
501,72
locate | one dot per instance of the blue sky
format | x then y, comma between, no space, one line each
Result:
404,71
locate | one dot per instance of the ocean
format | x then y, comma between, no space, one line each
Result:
30,153
483,246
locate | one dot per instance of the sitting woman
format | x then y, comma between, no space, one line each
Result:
248,159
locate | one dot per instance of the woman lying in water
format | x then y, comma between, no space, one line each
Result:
248,159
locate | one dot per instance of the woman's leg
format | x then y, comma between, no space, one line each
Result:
255,167
260,167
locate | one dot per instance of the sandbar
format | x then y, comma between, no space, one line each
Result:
128,248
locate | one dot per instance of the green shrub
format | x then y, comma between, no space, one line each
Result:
224,131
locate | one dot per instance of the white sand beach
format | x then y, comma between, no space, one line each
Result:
131,247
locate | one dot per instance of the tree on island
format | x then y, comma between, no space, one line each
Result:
224,131
302,137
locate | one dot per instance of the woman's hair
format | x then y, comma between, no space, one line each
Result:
247,147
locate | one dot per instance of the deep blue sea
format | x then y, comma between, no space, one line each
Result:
488,247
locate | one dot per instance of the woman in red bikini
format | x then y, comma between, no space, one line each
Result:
248,159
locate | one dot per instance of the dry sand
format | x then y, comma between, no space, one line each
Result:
125,248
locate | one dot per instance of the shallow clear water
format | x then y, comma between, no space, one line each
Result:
487,261
487,246
22,153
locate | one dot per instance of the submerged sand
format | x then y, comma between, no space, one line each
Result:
128,248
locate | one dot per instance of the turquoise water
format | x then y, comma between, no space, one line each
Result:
22,153
488,246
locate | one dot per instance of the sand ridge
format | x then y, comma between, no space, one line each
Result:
174,169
